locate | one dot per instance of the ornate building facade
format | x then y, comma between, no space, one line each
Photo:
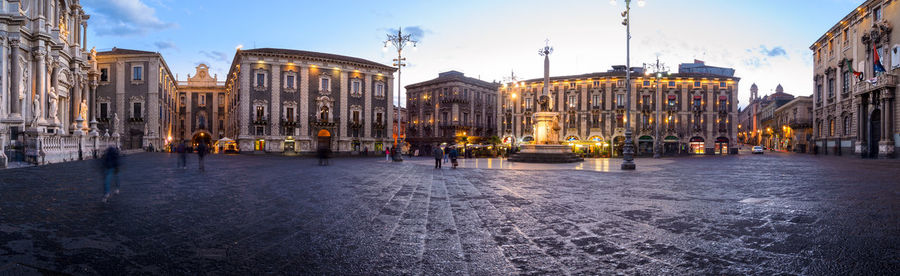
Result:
698,111
856,105
299,101
449,106
136,97
47,83
792,126
202,108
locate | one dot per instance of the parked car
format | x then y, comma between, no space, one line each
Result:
757,149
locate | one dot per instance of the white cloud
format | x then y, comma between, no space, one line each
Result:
124,17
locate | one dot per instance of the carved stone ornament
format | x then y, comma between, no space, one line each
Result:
260,102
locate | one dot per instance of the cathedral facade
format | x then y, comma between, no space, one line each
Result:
47,83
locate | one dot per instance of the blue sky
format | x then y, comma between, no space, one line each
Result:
766,41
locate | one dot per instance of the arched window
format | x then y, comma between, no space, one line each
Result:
846,126
831,127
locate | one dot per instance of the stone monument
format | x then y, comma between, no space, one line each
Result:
546,147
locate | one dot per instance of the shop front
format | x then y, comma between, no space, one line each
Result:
645,145
697,145
618,145
721,145
670,145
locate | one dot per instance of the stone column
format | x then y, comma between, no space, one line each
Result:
188,114
41,74
16,79
120,98
76,100
85,95
92,107
389,110
152,120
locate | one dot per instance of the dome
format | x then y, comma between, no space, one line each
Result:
779,89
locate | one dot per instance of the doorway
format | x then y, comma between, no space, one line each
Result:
874,132
324,139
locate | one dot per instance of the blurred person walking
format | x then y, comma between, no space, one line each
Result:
182,155
201,153
111,162
438,154
453,155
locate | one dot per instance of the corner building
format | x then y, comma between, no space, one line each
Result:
290,101
858,115
450,106
698,110
136,97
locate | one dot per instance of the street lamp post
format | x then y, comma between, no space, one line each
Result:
659,70
628,149
399,41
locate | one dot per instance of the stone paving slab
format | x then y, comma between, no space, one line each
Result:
249,215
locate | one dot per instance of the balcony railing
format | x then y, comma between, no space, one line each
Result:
884,80
260,120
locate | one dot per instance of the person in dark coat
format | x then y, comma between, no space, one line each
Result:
453,155
182,155
438,154
111,164
201,153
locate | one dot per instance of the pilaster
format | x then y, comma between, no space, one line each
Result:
275,109
153,109
243,118
120,96
367,109
344,112
304,102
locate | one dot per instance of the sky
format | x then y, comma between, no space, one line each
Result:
765,41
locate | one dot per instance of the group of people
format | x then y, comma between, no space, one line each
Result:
444,155
182,150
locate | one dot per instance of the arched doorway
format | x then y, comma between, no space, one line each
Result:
618,145
645,145
697,145
201,137
670,145
874,132
722,145
324,139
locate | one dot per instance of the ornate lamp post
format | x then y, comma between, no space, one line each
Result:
659,70
628,150
399,41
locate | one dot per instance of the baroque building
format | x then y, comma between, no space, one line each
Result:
856,66
47,83
202,108
289,101
697,107
136,97
792,125
449,106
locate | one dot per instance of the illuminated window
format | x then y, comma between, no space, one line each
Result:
595,100
573,102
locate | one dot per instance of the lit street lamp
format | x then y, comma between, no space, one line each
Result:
399,41
628,149
658,70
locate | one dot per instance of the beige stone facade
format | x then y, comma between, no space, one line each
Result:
449,106
792,126
698,111
288,101
202,105
136,98
852,116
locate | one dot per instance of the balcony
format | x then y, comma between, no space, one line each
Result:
800,123
454,99
696,108
672,108
646,108
883,81
288,122
260,120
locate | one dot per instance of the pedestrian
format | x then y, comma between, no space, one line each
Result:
111,171
387,154
181,149
453,155
437,153
416,152
150,148
323,156
447,154
201,152
366,151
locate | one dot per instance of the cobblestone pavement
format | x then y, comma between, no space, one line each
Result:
747,214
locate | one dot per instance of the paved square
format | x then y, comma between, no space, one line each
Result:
770,214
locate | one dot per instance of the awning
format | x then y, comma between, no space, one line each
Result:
697,139
645,138
671,139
